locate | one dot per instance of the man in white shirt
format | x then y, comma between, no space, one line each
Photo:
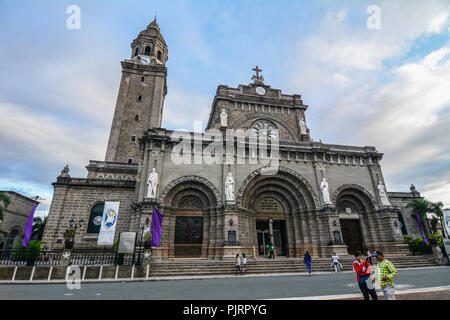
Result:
335,262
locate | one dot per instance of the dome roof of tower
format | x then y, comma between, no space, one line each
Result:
153,31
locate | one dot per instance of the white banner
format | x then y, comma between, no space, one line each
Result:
109,222
447,222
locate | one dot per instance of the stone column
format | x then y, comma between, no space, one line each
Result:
271,232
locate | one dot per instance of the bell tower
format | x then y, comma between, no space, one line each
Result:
141,95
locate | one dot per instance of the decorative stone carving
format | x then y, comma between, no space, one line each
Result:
325,191
223,119
383,196
152,184
229,188
190,202
65,172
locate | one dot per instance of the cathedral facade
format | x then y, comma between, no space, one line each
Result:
253,177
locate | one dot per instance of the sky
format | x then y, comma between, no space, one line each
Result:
387,87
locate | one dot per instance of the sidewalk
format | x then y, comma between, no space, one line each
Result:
434,293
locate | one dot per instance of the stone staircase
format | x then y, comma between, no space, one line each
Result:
266,266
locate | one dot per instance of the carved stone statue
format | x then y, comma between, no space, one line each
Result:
152,184
325,191
302,125
223,119
383,196
229,188
65,172
413,188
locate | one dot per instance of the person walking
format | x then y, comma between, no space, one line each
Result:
369,256
363,271
272,251
386,274
335,262
244,264
307,260
237,263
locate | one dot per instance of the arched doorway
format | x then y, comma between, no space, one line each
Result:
281,210
189,227
190,205
354,207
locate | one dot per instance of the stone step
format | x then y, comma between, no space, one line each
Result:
266,266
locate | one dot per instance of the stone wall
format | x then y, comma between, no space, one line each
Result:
74,199
16,215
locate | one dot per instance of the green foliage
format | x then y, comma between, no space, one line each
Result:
38,228
69,234
434,223
147,236
418,246
33,252
421,207
436,239
5,201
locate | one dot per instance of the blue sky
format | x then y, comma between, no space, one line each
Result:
388,87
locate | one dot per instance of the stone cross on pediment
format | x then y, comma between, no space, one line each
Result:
257,78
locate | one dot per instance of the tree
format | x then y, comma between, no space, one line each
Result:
437,209
38,228
420,207
5,201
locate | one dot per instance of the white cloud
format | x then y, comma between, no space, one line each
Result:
182,108
46,139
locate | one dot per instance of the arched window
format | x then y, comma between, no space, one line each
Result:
148,50
13,237
95,219
136,52
159,55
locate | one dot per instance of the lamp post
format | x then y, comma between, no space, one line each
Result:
147,221
72,225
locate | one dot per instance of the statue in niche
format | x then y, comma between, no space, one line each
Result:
152,184
325,191
229,188
302,125
223,119
383,196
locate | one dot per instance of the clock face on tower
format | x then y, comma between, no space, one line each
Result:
261,91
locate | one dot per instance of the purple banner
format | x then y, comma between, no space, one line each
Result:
157,220
420,228
29,227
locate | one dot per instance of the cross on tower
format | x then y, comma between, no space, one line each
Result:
256,78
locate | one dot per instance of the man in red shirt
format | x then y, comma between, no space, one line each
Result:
361,268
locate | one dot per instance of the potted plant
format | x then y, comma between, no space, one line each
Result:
147,240
69,234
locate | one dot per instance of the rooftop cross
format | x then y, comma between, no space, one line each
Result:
257,78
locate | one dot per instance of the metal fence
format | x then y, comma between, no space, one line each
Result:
104,257
80,257
24,258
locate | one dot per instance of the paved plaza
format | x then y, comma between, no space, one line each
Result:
319,286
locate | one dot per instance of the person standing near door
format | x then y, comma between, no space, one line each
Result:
268,250
307,260
272,251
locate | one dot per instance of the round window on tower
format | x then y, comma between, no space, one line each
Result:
265,128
